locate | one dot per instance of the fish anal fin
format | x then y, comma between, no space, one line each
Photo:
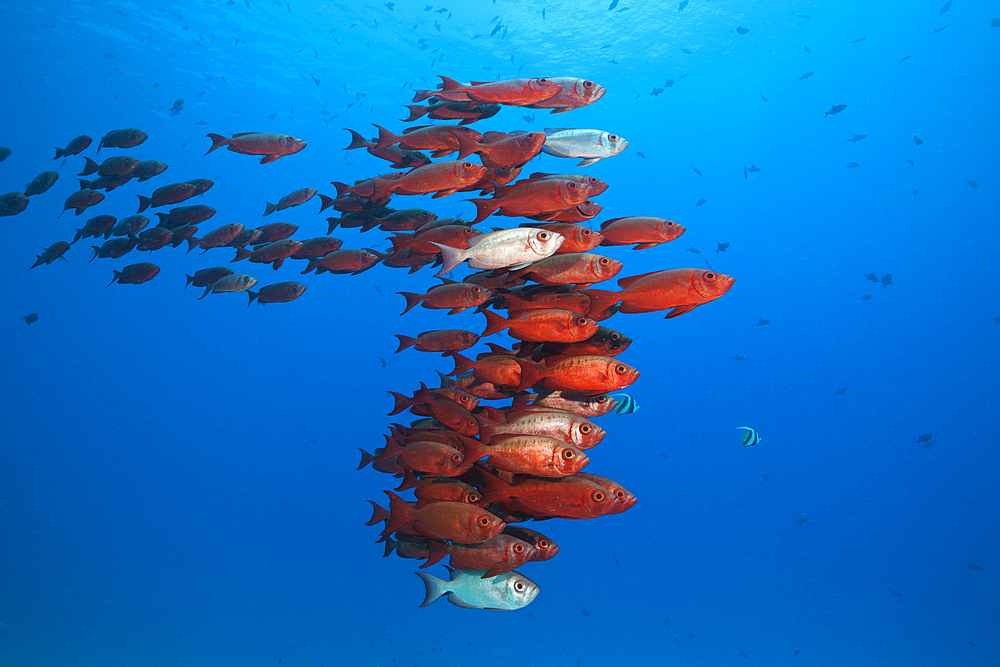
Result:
679,310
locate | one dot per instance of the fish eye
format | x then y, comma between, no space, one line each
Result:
615,337
543,236
365,255
569,454
519,548
620,368
670,223
484,521
588,84
471,423
543,81
474,497
519,586
605,261
476,290
585,232
572,185
543,544
581,321
709,277
619,494
467,165
456,457
613,137
599,496
585,429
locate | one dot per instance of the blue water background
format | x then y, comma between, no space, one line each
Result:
177,477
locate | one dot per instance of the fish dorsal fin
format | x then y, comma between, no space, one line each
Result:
415,128
608,222
243,134
553,130
625,283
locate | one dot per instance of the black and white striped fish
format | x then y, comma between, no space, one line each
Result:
626,404
750,438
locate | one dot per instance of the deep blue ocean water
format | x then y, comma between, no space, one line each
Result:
177,477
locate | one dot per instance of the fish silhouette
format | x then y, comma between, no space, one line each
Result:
917,140
857,137
806,75
722,248
835,109
742,30
700,202
764,98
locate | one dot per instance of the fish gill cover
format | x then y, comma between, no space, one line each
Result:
167,423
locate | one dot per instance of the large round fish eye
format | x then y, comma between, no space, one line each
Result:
620,368
543,236
569,454
519,586
709,277
599,496
519,548
588,84
543,81
613,137
484,521
581,321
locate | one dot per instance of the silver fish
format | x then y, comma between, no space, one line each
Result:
592,145
236,282
507,248
507,591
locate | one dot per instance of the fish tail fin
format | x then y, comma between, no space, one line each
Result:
601,300
449,85
379,513
494,489
401,402
97,251
435,552
412,299
382,187
399,513
487,427
462,364
327,202
409,480
117,274
450,258
190,279
434,587
90,167
218,141
390,546
59,153
404,342
331,225
484,207
192,242
144,202
342,188
208,290
531,373
366,458
416,111
494,322
313,263
466,145
269,208
358,141
385,137
252,295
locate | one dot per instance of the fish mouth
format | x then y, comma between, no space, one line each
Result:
624,145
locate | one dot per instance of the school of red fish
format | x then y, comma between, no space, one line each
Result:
477,471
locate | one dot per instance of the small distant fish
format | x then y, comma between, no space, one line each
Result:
722,248
995,23
841,392
866,297
857,137
390,6
896,594
382,359
682,5
872,277
738,358
802,16
664,455
696,170
626,404
886,280
750,438
912,163
852,165
939,29
30,319
744,655
806,75
615,556
835,109
766,478
905,58
807,49
742,30
797,651
975,568
694,251
801,521
916,191
763,322
753,169
687,51
946,7
585,612
925,437
927,445
614,3
700,202
690,635
971,643
858,40
917,140
656,92
641,154
764,98
707,264
972,183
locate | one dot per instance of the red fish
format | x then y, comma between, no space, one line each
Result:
317,247
216,237
275,231
135,274
677,290
545,548
441,178
113,166
443,340
202,184
174,193
643,231
115,248
273,253
541,325
422,243
459,522
74,147
96,226
13,203
511,92
401,158
496,555
578,238
182,233
456,297
574,93
532,198
149,168
345,261
590,373
127,138
277,293
465,112
271,146
581,213
206,277
300,196
133,224
154,239
580,269
441,139
106,183
605,342
570,497
80,200
51,254
536,455
185,215
41,183
498,149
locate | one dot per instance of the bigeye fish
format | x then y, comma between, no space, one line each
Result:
467,589
750,438
592,145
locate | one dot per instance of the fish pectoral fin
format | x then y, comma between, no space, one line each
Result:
679,310
588,161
